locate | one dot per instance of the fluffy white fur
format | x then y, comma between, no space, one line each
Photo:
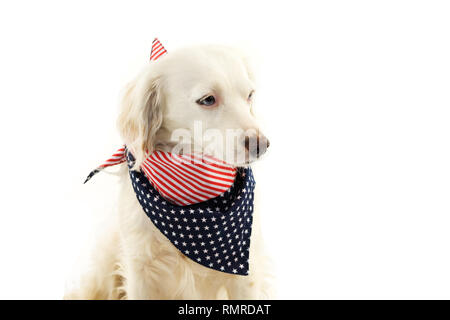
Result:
133,260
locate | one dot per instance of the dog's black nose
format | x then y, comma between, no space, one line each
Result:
256,145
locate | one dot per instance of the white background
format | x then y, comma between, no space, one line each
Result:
355,100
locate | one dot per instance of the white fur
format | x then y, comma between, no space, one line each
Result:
134,260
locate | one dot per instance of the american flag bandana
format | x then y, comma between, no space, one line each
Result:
214,233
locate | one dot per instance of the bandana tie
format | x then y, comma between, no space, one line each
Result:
157,50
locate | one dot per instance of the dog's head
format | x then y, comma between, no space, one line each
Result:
195,99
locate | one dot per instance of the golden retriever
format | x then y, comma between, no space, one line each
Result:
193,90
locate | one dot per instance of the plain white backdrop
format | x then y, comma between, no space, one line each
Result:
355,100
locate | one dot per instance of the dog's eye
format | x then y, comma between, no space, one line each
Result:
250,96
207,101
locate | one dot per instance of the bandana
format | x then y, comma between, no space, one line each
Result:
214,233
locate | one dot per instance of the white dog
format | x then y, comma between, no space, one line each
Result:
207,85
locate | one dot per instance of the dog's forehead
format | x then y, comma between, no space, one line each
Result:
206,63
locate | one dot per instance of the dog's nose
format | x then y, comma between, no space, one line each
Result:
256,145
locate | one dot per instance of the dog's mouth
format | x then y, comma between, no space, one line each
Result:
243,157
250,160
240,154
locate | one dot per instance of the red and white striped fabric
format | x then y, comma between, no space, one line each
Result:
157,50
117,158
181,179
188,179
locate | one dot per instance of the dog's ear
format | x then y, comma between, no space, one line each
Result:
141,115
249,67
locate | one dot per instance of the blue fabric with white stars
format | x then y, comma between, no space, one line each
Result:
215,233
